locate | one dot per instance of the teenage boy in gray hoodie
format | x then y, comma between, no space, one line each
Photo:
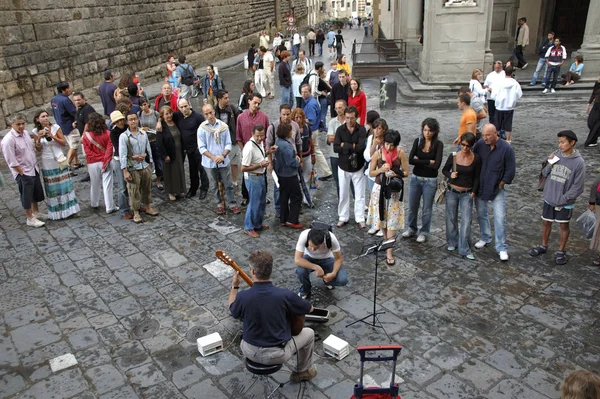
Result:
565,173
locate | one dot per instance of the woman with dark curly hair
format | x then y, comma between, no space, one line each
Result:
246,90
60,195
98,154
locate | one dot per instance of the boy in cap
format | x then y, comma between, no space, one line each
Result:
565,173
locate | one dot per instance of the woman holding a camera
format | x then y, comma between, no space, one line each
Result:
60,195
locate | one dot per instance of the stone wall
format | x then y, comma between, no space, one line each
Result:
43,42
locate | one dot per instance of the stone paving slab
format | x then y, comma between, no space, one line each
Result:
472,329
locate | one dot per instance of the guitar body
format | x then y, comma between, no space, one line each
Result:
296,324
296,321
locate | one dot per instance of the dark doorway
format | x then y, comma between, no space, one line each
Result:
569,21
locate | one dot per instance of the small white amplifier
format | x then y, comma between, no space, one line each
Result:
336,347
210,344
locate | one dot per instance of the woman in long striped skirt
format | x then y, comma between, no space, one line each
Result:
60,195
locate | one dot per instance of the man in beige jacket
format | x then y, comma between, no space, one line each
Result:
522,40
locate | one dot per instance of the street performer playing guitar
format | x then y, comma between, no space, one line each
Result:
266,311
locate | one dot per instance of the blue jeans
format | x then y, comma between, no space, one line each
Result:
286,96
454,237
122,199
320,48
326,264
421,187
257,195
324,105
552,73
499,208
540,65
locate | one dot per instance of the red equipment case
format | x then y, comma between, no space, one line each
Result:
362,392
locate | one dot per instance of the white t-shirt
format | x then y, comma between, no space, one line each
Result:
252,155
332,127
267,60
296,81
296,39
322,252
491,79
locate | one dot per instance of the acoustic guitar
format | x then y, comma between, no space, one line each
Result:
296,321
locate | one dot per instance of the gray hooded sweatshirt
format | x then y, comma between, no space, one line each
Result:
565,179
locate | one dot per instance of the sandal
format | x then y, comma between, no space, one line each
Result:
137,219
362,225
540,249
390,261
172,197
560,257
596,262
340,224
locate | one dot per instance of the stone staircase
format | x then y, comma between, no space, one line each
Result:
413,92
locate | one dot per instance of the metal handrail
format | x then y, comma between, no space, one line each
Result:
384,53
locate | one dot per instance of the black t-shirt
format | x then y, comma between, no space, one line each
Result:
266,311
83,114
189,129
423,166
115,133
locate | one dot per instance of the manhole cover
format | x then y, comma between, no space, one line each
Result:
145,329
194,333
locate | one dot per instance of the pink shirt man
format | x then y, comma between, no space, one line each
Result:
18,150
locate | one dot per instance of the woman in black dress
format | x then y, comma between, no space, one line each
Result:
339,42
171,150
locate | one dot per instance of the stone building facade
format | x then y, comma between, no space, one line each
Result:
461,35
43,42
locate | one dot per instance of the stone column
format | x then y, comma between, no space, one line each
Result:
590,48
277,15
488,60
376,13
454,40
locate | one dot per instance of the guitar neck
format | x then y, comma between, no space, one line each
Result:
243,274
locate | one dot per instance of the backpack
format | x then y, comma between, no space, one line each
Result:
327,228
334,78
187,78
305,81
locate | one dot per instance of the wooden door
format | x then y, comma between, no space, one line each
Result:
570,17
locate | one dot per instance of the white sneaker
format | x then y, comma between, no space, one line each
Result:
40,215
480,244
545,91
421,238
552,91
407,234
379,233
503,255
116,208
35,222
451,248
372,231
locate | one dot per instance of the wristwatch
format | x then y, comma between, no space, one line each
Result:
235,287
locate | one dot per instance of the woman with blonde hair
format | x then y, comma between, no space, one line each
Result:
581,384
308,151
297,78
475,84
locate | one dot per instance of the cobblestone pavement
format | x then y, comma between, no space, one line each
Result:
128,301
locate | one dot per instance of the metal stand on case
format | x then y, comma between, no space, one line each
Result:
368,250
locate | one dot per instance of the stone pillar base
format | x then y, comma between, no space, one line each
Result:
488,63
591,59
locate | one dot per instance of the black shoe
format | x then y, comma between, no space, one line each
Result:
244,202
190,194
203,194
325,178
86,178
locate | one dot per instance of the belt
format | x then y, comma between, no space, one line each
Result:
460,191
255,174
